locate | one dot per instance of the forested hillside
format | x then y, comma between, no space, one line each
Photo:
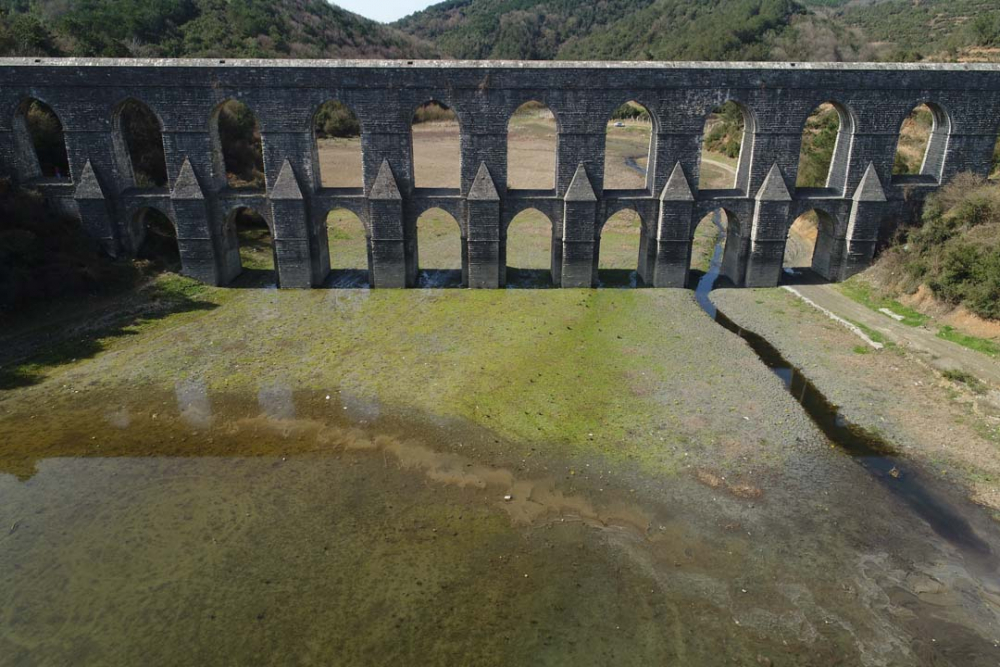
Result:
817,30
210,28
608,29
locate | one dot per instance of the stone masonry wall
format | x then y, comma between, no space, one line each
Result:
776,98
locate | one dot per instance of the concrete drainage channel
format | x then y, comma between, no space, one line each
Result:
871,452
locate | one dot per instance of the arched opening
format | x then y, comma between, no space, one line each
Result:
532,147
256,247
995,164
825,148
337,131
157,240
440,249
239,153
920,148
708,243
349,252
809,246
628,145
726,148
437,153
529,250
618,261
40,141
139,145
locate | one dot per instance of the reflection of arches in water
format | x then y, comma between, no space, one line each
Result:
276,401
193,403
437,154
237,152
40,141
618,251
138,142
628,146
439,249
337,145
824,152
157,239
529,250
350,254
922,143
726,148
255,246
532,147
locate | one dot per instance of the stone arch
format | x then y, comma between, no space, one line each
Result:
994,173
350,248
237,146
811,243
529,265
337,147
252,232
835,144
618,236
630,147
931,134
40,141
436,147
138,142
441,257
154,235
533,131
728,159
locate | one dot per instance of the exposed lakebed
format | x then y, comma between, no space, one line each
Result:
442,477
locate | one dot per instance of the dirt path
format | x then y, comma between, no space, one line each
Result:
721,165
939,353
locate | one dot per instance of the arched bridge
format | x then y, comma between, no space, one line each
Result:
861,192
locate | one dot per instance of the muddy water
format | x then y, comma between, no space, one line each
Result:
298,528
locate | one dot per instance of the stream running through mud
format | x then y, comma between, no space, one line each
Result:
872,452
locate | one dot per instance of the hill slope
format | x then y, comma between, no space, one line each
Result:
817,30
208,28
607,29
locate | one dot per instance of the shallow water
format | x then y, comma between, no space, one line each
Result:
290,527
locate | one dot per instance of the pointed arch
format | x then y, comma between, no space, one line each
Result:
337,145
532,147
825,149
811,246
618,251
922,144
628,148
528,246
441,252
40,141
138,143
350,249
157,243
238,151
256,250
436,137
726,148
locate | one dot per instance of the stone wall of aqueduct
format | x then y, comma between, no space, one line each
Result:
861,194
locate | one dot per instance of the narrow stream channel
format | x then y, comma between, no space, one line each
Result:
874,454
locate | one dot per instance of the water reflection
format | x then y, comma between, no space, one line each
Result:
276,401
360,535
193,403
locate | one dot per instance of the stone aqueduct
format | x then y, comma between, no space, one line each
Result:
861,193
